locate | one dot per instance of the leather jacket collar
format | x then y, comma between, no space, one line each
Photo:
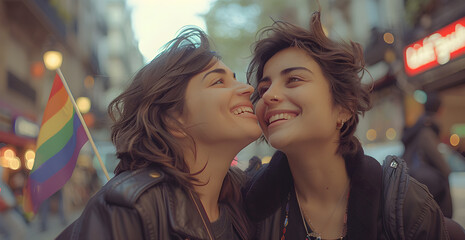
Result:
186,214
365,196
183,208
270,187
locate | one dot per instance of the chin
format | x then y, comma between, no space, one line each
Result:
277,142
279,146
248,139
252,137
253,132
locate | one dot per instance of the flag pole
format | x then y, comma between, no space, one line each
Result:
83,123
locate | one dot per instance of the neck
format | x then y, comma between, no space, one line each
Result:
319,173
215,163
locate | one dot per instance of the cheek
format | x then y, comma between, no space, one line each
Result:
260,112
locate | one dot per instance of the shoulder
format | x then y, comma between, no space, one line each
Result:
370,164
410,211
120,198
125,188
422,216
364,170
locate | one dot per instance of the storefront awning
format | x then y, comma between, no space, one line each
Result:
11,138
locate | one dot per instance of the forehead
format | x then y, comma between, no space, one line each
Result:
289,58
215,63
216,69
218,64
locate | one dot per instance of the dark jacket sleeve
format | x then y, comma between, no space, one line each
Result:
129,206
410,212
266,191
101,220
428,220
456,232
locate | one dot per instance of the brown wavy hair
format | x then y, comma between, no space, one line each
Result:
142,119
342,64
142,116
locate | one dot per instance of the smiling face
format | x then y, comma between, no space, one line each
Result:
295,105
218,108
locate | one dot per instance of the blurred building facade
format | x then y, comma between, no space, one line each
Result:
386,28
368,22
411,47
91,36
434,60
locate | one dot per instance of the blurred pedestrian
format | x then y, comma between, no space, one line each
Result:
426,164
176,130
12,224
44,210
255,163
320,184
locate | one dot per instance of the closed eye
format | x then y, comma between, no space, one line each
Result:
294,79
220,81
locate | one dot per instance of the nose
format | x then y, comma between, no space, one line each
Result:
244,89
271,96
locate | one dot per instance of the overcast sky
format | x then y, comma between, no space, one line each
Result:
157,21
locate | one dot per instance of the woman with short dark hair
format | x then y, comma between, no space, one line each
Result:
320,184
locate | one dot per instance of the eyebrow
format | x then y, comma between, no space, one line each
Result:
217,70
286,71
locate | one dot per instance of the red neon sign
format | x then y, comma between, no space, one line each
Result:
436,49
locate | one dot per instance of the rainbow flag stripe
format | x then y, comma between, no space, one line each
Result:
60,140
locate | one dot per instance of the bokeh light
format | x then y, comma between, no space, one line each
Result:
420,96
388,38
266,159
83,104
389,56
89,119
53,60
37,69
29,157
9,153
454,140
371,135
89,82
391,133
14,163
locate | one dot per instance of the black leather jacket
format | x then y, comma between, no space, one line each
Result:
141,204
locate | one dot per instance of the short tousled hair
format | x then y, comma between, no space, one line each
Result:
342,64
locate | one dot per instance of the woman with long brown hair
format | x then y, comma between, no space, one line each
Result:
176,128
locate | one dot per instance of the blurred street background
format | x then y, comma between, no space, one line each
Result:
411,47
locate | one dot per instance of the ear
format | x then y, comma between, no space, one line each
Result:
344,114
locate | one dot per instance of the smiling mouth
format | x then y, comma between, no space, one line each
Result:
242,109
279,117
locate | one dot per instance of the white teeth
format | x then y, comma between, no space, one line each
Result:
240,110
280,116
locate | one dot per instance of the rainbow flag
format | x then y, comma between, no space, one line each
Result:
60,140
